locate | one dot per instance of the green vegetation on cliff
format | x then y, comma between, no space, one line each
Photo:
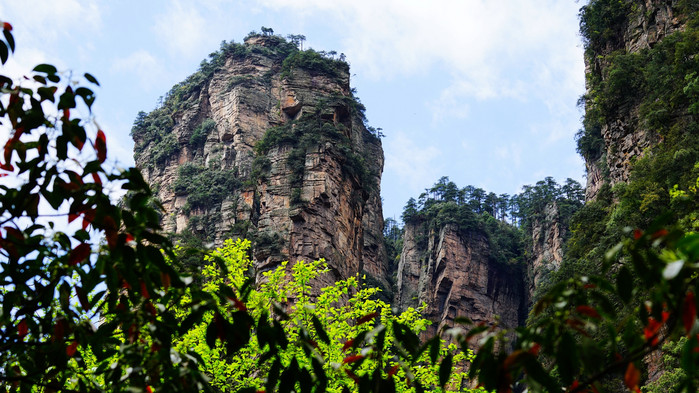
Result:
314,130
656,92
154,130
507,221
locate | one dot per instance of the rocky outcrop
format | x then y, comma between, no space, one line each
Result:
625,137
548,234
312,191
451,272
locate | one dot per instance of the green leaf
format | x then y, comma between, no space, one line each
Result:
445,370
87,95
567,358
247,390
273,375
211,334
536,372
91,79
611,254
67,100
434,344
10,39
193,318
4,54
624,284
46,68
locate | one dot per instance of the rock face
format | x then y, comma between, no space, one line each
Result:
625,137
268,142
452,274
548,234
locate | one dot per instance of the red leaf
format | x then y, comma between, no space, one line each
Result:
637,233
101,146
660,233
352,375
589,311
650,332
220,327
632,377
151,309
88,217
110,231
149,389
8,154
16,234
165,280
59,330
77,142
689,312
133,333
125,284
7,26
512,359
238,304
82,297
79,254
367,318
352,359
347,344
144,290
72,217
534,350
22,329
393,370
70,350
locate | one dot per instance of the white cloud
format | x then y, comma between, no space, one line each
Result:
181,28
508,49
141,63
449,104
49,20
412,164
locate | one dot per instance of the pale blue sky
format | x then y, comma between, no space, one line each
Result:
481,91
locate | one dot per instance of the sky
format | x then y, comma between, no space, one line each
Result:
484,92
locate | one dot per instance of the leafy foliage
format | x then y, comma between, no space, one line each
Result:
583,337
85,290
205,186
314,62
335,340
201,132
660,82
602,22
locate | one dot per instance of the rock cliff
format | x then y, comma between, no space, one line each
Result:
639,26
546,254
269,142
451,272
641,122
